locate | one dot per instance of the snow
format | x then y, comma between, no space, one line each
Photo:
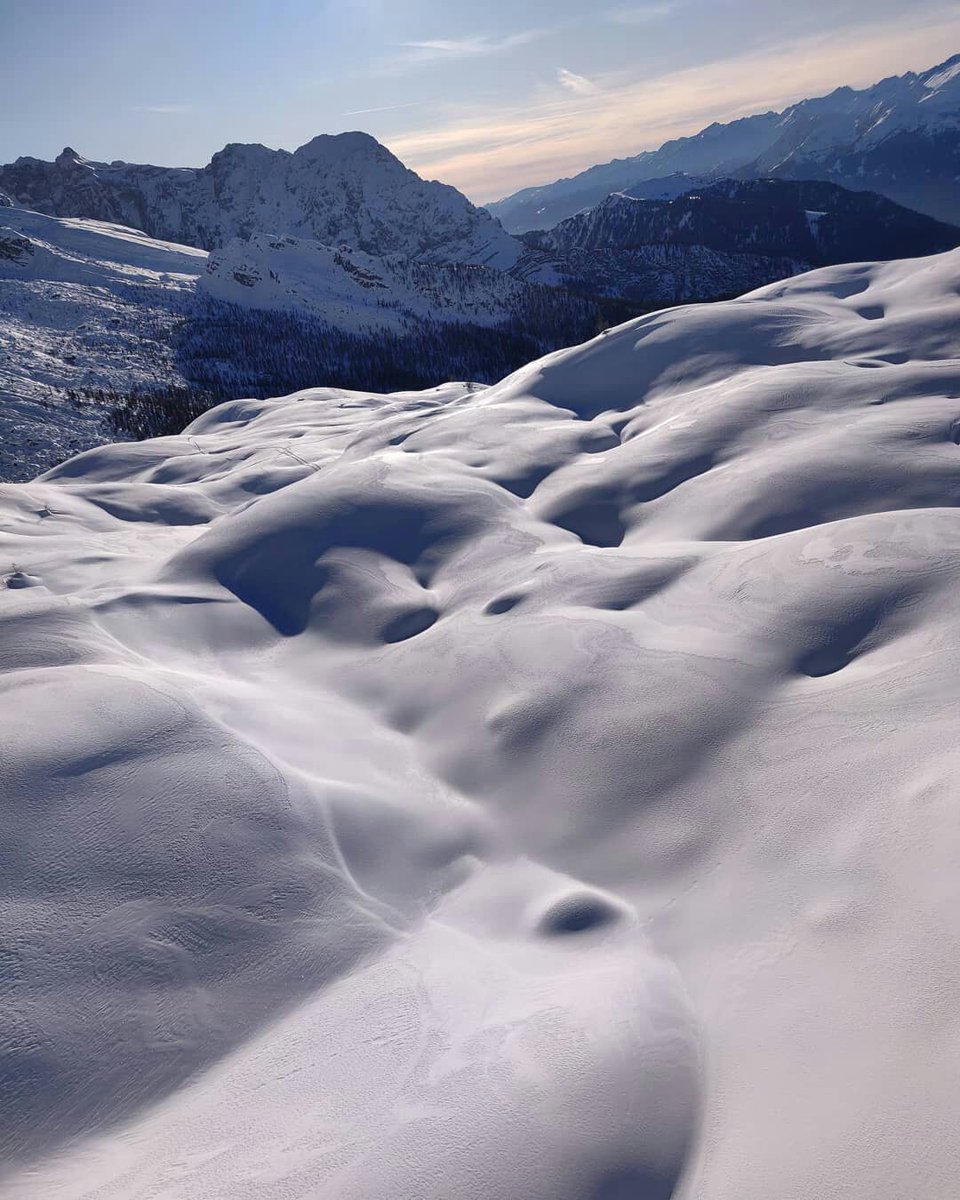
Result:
355,291
814,217
942,77
83,304
545,790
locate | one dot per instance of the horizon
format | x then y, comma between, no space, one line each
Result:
543,121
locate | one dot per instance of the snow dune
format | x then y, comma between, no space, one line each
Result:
545,790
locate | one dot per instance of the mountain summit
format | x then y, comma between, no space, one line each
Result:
344,189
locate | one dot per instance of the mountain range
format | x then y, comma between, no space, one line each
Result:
342,229
900,138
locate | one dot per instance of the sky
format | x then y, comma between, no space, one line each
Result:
489,95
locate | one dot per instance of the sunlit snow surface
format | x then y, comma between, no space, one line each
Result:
544,792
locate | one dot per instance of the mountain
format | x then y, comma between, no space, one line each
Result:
681,238
542,790
900,138
339,190
731,236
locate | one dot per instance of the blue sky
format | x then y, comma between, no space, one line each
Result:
490,95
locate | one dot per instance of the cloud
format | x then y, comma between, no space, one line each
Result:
166,109
645,15
578,84
361,112
439,49
493,152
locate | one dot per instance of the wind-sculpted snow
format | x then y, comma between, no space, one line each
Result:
543,790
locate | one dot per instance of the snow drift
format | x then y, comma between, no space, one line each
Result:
544,790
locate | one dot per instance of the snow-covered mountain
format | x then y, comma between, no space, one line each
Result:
900,138
84,306
730,236
546,790
339,190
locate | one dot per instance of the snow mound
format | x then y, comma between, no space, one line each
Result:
544,790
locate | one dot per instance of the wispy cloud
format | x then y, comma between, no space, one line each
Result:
580,85
171,110
496,151
362,112
642,14
439,49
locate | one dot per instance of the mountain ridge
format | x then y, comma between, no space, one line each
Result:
885,137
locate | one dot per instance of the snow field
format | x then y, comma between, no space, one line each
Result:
543,790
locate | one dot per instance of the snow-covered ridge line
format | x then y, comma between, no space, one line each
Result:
544,790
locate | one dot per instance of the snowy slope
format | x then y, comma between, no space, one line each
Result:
83,305
338,190
900,137
545,790
353,290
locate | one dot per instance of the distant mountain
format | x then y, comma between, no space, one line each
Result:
900,138
339,190
731,236
818,222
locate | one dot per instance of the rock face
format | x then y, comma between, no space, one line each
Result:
338,190
900,137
